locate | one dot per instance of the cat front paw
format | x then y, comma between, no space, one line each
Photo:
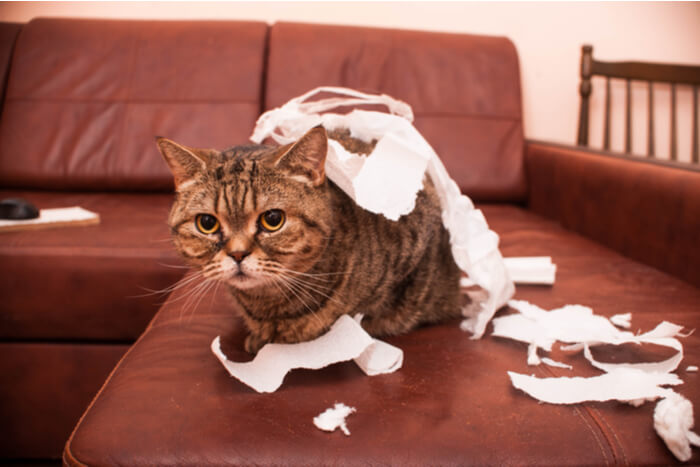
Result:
253,343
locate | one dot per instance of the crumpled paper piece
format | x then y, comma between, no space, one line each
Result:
333,418
346,340
673,419
633,383
403,156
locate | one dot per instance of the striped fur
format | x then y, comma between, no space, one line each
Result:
329,258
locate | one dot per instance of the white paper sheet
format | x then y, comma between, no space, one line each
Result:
346,340
538,270
622,320
622,384
334,418
402,156
633,383
53,217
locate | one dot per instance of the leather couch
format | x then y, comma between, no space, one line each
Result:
84,99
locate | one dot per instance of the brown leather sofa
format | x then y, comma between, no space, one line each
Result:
83,101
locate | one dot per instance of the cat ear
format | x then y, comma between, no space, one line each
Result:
184,162
307,157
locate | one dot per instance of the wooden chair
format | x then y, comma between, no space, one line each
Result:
638,71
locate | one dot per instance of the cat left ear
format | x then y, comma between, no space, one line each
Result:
307,157
184,162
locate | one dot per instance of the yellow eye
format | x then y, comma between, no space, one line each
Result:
272,220
207,224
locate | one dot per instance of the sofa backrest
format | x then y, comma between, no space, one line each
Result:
464,90
85,99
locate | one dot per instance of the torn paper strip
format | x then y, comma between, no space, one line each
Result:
403,156
346,340
537,270
576,324
622,320
623,384
333,418
673,421
633,383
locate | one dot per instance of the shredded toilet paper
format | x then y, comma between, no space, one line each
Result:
623,320
403,156
333,418
673,420
633,383
531,269
346,340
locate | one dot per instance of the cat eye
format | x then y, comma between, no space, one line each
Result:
272,220
206,223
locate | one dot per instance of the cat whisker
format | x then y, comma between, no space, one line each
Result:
171,288
209,284
196,293
296,291
307,283
174,266
306,286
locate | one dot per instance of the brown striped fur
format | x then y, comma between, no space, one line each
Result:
329,258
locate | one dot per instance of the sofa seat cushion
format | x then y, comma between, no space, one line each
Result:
87,282
170,402
44,387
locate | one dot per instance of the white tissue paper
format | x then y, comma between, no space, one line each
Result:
346,340
531,270
403,156
333,418
673,419
633,383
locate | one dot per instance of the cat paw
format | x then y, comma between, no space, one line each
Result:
253,343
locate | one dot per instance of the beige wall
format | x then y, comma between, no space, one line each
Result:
548,37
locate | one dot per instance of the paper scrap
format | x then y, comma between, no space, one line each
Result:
399,147
333,418
623,384
554,363
576,324
622,320
55,217
633,383
538,270
673,420
346,340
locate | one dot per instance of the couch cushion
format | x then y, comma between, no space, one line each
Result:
450,403
44,387
87,282
464,90
85,99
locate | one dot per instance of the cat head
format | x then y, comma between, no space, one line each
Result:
252,214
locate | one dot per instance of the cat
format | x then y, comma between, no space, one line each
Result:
296,252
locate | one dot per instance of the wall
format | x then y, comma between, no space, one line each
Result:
548,37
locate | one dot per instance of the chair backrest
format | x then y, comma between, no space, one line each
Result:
675,75
464,90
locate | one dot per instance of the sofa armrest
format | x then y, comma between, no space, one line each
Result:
646,210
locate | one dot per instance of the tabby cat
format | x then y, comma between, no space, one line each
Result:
296,252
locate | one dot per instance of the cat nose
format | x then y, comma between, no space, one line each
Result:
238,256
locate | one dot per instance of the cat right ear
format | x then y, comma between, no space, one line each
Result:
184,162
